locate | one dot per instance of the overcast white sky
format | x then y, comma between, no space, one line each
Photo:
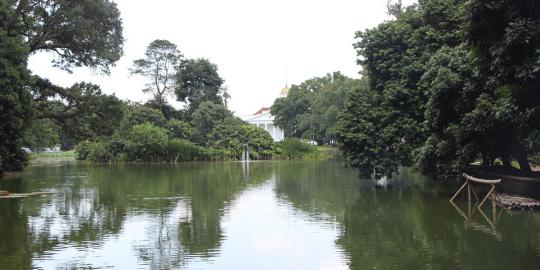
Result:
258,45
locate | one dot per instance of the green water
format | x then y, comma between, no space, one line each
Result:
268,215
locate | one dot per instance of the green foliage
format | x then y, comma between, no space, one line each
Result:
293,148
179,150
228,136
81,111
445,99
198,81
139,115
82,150
382,127
206,117
363,127
231,135
261,145
146,142
505,37
168,111
14,99
82,33
179,129
311,109
41,133
159,66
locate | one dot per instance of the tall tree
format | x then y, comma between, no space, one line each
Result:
82,110
198,81
14,99
311,109
82,33
505,37
159,66
296,104
206,117
394,57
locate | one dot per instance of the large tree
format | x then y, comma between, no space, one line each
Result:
82,110
444,99
206,117
394,56
505,38
14,99
159,66
198,81
311,109
80,33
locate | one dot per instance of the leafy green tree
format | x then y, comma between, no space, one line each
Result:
198,81
261,145
82,33
311,109
82,111
288,110
206,117
14,99
138,114
168,111
457,133
159,66
228,136
505,38
232,134
146,142
41,133
394,57
179,129
362,127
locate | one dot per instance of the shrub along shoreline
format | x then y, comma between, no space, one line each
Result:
179,150
144,135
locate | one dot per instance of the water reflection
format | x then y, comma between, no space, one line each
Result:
269,215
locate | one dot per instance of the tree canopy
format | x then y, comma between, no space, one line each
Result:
81,33
198,81
14,99
311,109
159,67
440,99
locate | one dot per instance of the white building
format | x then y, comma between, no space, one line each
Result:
263,119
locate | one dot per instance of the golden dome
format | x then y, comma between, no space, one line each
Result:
284,92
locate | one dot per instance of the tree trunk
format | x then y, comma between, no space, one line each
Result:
521,156
507,163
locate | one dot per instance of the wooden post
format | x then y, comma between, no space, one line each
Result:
468,189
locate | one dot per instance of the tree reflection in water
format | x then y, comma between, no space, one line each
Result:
165,216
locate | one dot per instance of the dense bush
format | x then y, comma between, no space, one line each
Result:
231,135
179,150
293,148
145,135
146,142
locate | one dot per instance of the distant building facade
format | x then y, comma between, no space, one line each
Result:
263,119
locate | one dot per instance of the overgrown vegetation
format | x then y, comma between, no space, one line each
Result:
450,82
311,109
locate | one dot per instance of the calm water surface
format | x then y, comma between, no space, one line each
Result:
268,215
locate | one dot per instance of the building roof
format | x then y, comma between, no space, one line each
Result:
264,116
262,110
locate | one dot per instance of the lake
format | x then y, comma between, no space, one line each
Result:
259,215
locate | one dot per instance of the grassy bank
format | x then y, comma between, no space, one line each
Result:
51,157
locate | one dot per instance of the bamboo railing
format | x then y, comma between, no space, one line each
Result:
469,180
